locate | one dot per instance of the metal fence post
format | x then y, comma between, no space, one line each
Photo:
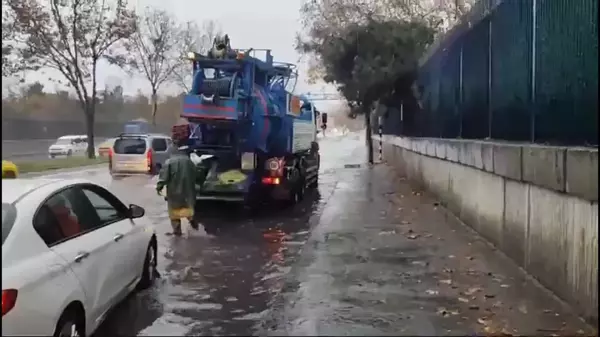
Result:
380,132
490,74
402,118
533,68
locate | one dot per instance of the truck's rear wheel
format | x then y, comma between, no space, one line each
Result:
298,189
301,189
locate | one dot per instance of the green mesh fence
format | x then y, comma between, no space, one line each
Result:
566,81
492,80
510,96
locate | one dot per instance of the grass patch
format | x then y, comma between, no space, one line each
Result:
56,164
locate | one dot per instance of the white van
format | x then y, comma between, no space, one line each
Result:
68,146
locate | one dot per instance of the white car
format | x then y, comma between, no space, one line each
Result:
68,146
71,251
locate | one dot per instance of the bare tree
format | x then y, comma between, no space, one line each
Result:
154,51
71,36
198,40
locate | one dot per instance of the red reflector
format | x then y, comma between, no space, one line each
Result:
270,180
9,299
149,159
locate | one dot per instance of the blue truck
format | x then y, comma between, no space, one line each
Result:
254,141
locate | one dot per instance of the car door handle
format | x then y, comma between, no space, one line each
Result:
81,256
118,237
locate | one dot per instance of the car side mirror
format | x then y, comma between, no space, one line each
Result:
136,211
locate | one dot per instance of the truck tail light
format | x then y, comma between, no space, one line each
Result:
271,180
9,299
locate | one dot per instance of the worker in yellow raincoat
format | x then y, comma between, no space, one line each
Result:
178,175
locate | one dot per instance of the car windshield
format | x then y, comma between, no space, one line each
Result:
130,146
8,219
64,141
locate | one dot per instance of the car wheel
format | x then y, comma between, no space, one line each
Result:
70,153
9,175
70,325
149,272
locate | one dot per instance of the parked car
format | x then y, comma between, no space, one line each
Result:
9,170
139,153
105,147
68,146
71,250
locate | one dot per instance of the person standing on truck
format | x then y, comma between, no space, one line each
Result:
178,175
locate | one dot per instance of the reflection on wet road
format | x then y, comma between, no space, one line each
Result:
366,254
221,282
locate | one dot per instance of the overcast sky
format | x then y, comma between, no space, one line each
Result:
250,24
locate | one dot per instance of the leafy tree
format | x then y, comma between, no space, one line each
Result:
155,49
34,89
369,51
71,36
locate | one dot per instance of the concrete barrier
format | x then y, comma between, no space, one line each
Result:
538,204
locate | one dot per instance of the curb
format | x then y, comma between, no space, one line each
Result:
62,171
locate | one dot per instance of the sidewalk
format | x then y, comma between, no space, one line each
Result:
386,260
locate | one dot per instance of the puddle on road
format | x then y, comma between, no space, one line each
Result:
222,283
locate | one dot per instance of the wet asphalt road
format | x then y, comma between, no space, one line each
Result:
365,254
221,282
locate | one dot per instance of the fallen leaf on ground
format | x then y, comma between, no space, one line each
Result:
428,235
387,232
489,296
473,290
474,307
547,330
451,256
523,308
448,270
506,333
446,281
504,286
470,258
432,292
413,236
482,321
462,299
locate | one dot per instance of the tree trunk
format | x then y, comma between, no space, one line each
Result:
154,106
89,125
369,134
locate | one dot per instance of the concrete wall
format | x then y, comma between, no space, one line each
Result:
538,204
